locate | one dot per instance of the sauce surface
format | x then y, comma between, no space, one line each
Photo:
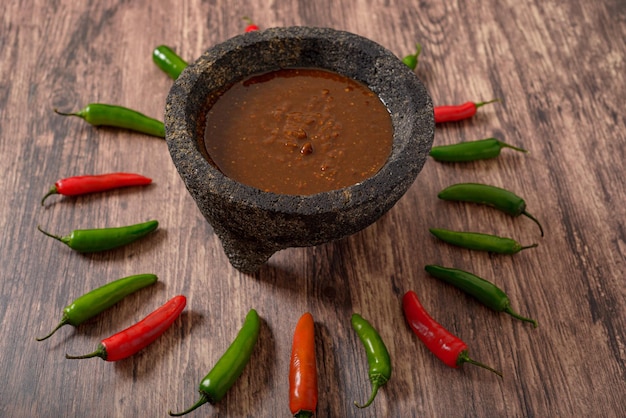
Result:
298,131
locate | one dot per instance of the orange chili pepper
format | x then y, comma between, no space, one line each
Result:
302,369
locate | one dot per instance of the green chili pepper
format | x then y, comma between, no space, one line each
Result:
481,242
377,355
102,239
481,149
168,61
411,60
486,292
496,197
98,300
99,114
230,366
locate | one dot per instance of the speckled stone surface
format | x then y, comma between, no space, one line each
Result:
253,224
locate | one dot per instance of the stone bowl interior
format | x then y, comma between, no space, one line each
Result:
253,224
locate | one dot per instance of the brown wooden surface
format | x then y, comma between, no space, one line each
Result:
558,68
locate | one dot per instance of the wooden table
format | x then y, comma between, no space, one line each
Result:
558,68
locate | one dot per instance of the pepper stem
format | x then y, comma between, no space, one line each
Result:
303,414
418,49
514,314
203,399
534,220
56,237
377,382
64,321
58,112
464,358
505,145
528,246
52,191
100,352
479,104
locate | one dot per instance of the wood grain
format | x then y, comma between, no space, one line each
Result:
558,68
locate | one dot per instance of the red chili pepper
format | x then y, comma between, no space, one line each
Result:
136,337
251,26
455,113
78,185
447,347
302,369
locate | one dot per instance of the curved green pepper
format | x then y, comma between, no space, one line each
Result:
470,150
486,292
230,366
100,114
484,194
377,355
102,239
100,299
168,61
480,242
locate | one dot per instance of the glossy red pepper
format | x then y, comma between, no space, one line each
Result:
442,343
79,185
455,113
136,337
251,26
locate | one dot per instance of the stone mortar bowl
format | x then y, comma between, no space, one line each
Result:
253,224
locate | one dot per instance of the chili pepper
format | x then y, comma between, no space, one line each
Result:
230,366
303,370
251,26
102,239
442,343
455,113
486,292
496,197
481,149
168,61
78,185
138,336
377,355
411,60
481,242
99,114
100,299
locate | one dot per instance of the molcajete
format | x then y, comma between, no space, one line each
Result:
253,224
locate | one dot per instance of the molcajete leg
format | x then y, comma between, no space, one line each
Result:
245,255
